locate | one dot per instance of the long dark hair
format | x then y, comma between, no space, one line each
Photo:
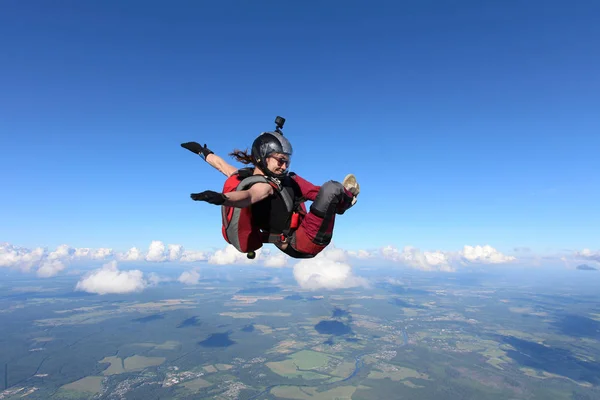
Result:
242,156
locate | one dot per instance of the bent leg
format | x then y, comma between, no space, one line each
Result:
316,230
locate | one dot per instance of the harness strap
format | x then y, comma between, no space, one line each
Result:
283,236
291,206
274,237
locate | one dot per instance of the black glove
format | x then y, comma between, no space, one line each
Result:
198,149
210,197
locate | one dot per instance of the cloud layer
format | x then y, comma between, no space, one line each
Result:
47,263
332,269
445,261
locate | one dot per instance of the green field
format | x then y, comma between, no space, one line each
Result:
462,341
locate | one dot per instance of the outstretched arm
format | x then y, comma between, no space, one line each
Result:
218,163
210,157
245,198
241,199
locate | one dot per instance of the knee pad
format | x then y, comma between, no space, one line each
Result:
328,197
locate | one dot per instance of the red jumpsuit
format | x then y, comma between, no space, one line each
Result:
315,231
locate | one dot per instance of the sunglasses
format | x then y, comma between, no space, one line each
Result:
281,161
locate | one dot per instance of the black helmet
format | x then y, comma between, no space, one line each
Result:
267,143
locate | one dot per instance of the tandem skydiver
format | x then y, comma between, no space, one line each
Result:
264,203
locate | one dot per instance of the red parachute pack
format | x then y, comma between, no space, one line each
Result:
237,226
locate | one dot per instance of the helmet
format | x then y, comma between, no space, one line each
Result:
267,143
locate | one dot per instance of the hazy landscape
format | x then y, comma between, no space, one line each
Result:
257,336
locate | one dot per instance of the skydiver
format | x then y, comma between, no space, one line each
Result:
303,235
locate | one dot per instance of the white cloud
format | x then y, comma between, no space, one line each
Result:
23,259
83,252
193,255
49,268
175,252
48,263
277,260
576,258
189,277
62,252
20,257
109,279
102,253
156,252
328,270
390,253
159,252
230,255
154,279
485,255
445,261
91,254
133,254
362,254
413,257
588,254
267,256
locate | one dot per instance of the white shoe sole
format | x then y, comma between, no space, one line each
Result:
351,185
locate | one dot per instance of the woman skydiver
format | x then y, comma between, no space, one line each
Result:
265,203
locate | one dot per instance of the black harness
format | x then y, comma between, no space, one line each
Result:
292,203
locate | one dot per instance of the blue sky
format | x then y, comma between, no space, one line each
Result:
468,123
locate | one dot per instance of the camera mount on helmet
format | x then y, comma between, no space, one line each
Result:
279,121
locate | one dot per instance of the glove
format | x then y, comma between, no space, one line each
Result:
210,197
197,148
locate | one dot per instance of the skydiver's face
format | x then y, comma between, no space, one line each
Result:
278,163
